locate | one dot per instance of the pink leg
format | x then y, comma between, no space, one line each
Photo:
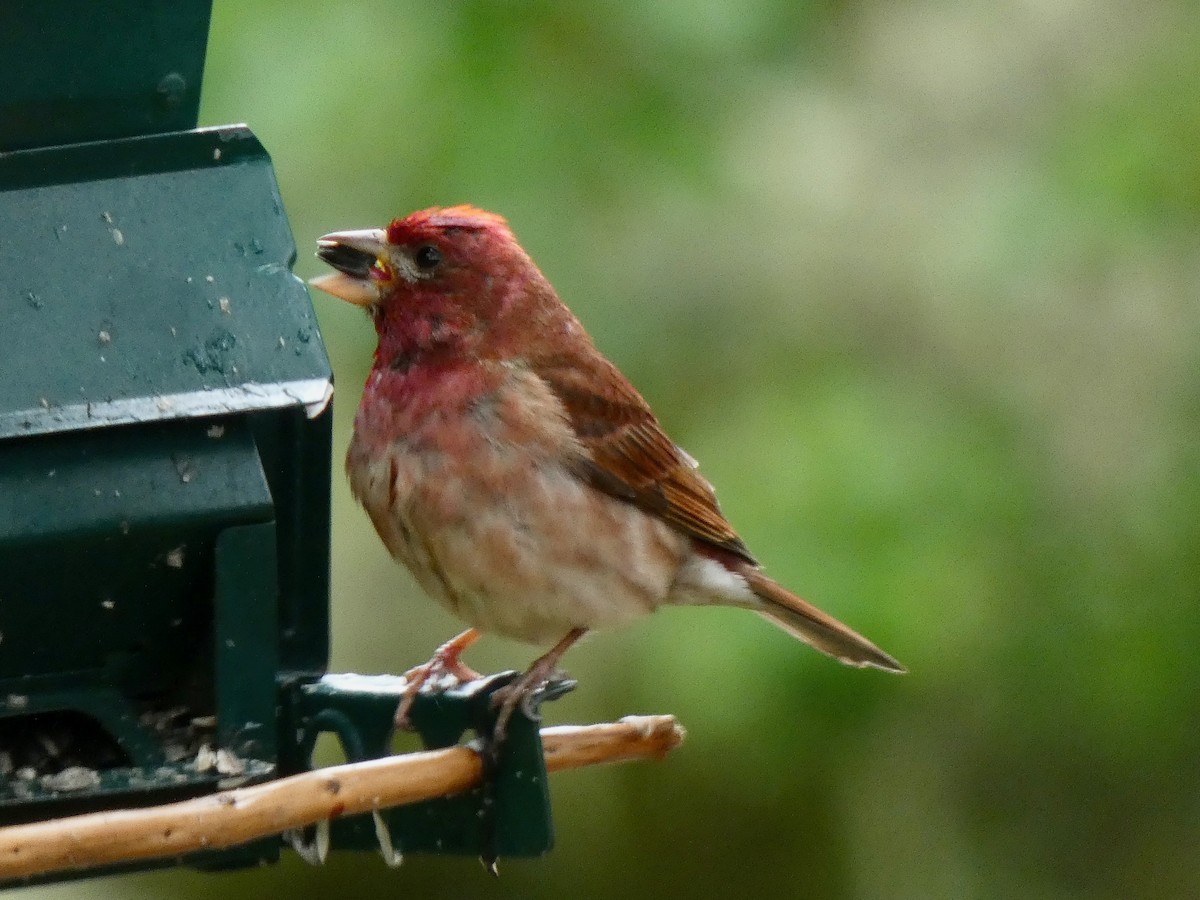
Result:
537,675
445,660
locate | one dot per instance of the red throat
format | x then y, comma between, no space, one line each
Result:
420,324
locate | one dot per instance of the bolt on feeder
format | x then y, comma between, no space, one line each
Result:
165,431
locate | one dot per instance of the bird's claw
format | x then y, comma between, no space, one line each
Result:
446,663
559,684
528,693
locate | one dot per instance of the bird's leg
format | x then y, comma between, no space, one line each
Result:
445,661
521,690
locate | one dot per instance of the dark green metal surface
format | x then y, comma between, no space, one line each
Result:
118,484
81,70
295,454
150,279
107,542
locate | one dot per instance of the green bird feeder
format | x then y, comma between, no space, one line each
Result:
165,460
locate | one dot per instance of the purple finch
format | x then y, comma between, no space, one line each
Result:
514,470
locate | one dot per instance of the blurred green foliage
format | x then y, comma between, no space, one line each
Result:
917,284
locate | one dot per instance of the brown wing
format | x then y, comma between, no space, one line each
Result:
628,454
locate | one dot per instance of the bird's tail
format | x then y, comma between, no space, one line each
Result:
802,620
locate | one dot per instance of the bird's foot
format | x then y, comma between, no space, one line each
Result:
524,692
446,661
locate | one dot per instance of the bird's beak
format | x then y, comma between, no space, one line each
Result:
360,258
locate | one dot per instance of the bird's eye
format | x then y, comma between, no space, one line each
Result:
427,257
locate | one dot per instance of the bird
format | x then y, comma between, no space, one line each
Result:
511,467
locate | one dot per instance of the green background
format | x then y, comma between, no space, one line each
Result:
916,283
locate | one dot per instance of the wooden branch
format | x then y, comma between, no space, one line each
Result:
237,816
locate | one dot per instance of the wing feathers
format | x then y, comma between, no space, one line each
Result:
628,455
